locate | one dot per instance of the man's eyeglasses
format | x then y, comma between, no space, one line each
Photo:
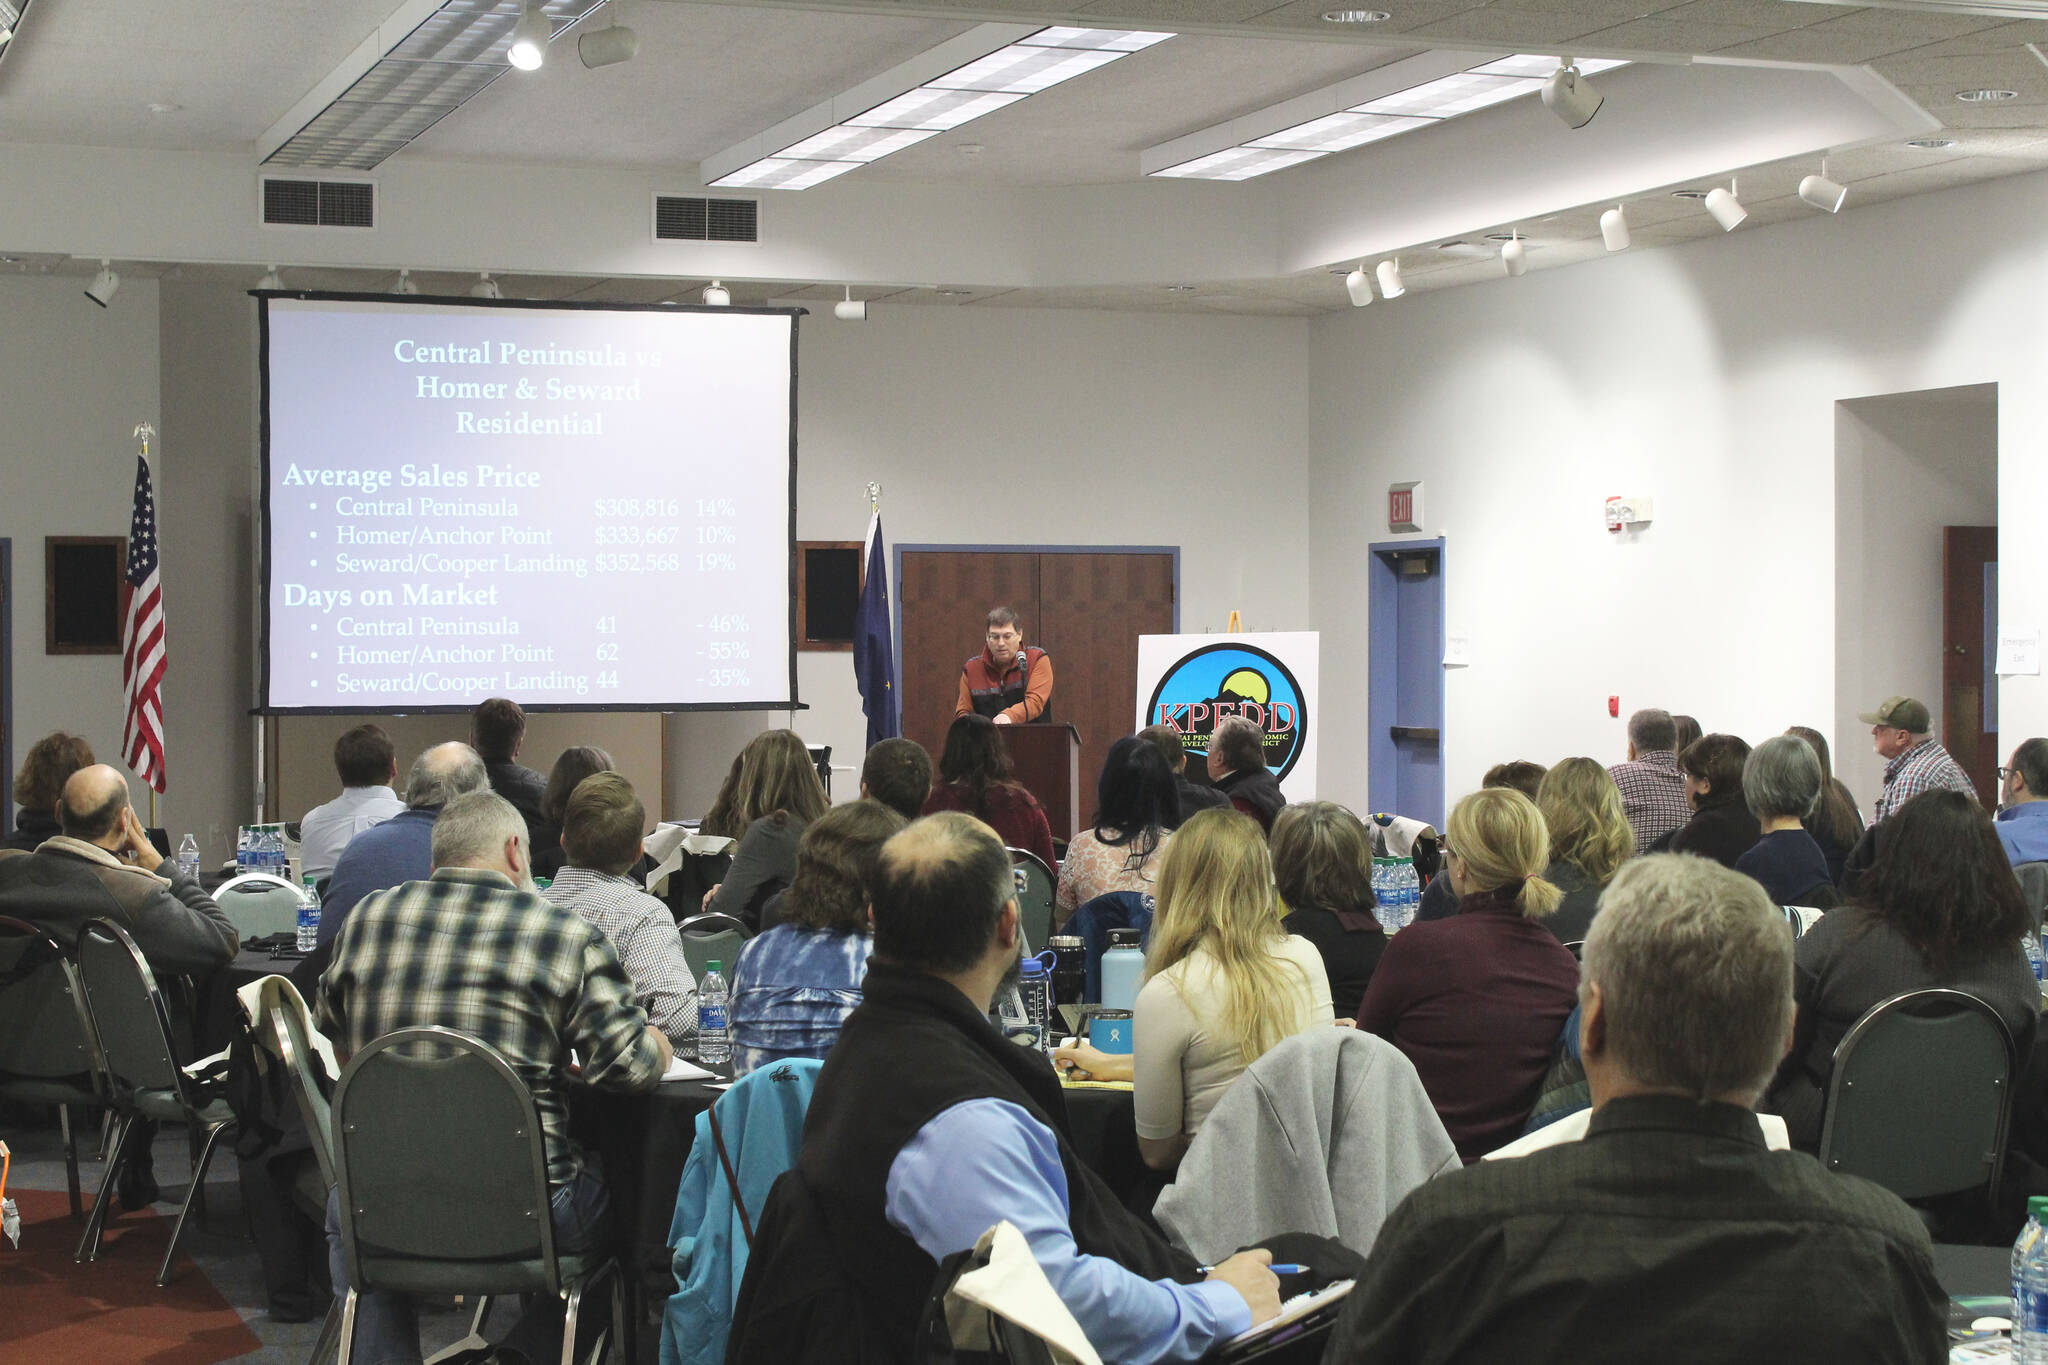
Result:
1003,637
2004,773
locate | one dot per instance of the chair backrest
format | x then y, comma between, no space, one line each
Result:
2034,886
1035,898
44,1027
292,1032
711,938
128,1012
439,1158
259,905
1921,1094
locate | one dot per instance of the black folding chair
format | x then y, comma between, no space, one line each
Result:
145,1079
291,1033
48,1054
1921,1095
1034,898
443,1180
712,937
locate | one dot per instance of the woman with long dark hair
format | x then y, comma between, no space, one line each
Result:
975,777
1939,907
1137,804
1835,824
576,763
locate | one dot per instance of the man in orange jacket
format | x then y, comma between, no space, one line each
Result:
1009,681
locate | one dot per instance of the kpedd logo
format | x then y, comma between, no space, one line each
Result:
1215,681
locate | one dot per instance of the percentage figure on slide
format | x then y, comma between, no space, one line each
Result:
716,563
729,649
732,622
715,507
729,677
717,535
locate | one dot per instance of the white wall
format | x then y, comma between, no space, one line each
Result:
1906,465
1706,376
78,379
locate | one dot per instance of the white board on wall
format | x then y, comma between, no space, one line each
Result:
1190,681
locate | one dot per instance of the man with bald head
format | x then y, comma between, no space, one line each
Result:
103,864
400,849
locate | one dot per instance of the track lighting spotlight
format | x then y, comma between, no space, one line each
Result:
1358,285
1514,256
485,287
1390,279
406,284
1823,193
717,295
850,309
103,285
1614,229
1571,96
605,46
530,37
271,279
1726,208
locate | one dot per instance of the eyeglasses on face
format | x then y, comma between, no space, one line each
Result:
1002,637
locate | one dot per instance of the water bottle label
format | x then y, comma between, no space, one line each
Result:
710,1017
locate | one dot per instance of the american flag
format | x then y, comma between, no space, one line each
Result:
142,641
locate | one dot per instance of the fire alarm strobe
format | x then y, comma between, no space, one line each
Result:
1630,512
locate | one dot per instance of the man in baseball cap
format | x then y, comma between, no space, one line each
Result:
1900,731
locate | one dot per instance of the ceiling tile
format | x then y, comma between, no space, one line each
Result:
1169,13
1753,13
1513,28
1909,24
1308,14
1811,45
2001,38
1661,35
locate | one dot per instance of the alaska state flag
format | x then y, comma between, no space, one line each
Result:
874,654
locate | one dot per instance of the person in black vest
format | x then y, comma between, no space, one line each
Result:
927,1128
497,729
1237,765
1010,682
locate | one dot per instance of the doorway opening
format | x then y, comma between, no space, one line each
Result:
1405,687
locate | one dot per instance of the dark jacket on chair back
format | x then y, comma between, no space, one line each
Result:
915,1048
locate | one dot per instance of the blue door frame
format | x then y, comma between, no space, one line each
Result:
1405,682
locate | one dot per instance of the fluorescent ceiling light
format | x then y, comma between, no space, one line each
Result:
1381,113
10,21
1237,163
1997,9
1034,61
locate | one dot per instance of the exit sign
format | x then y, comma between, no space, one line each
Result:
1404,506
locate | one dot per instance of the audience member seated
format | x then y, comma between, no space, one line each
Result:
774,799
1939,907
975,779
898,773
1237,765
1915,762
1651,785
1590,838
1781,782
1669,1232
45,769
1193,795
1136,808
101,863
497,730
576,762
927,1128
1835,824
1721,827
603,828
2023,807
401,849
367,766
795,983
1686,729
473,948
1438,900
1322,867
1477,1001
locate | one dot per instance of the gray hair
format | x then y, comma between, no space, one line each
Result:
1694,967
1239,742
1782,776
1653,731
2031,759
473,828
442,773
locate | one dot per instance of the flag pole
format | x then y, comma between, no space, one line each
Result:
144,432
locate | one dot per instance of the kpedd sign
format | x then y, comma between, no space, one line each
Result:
1192,681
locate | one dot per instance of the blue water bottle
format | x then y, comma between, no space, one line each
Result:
1123,968
1036,988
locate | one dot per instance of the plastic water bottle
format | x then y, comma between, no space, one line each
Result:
1123,966
188,858
714,1036
243,850
309,918
2030,1301
1036,988
2032,946
1407,891
280,866
1382,894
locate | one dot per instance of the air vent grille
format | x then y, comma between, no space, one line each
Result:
319,203
683,219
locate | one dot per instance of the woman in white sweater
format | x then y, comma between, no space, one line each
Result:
1224,983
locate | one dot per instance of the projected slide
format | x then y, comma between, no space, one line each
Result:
572,507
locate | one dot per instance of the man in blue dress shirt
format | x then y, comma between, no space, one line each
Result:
2023,804
928,1128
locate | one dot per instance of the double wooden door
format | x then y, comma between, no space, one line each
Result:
1085,608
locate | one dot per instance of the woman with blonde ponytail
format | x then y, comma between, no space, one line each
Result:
1223,984
1476,1001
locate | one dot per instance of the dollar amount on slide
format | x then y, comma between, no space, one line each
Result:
638,507
638,563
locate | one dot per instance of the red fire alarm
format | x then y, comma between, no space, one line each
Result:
1614,706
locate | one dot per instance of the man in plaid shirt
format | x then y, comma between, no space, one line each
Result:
1652,787
474,949
1901,731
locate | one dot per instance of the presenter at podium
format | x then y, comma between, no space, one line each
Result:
1010,682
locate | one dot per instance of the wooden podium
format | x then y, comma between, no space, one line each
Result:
1047,760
